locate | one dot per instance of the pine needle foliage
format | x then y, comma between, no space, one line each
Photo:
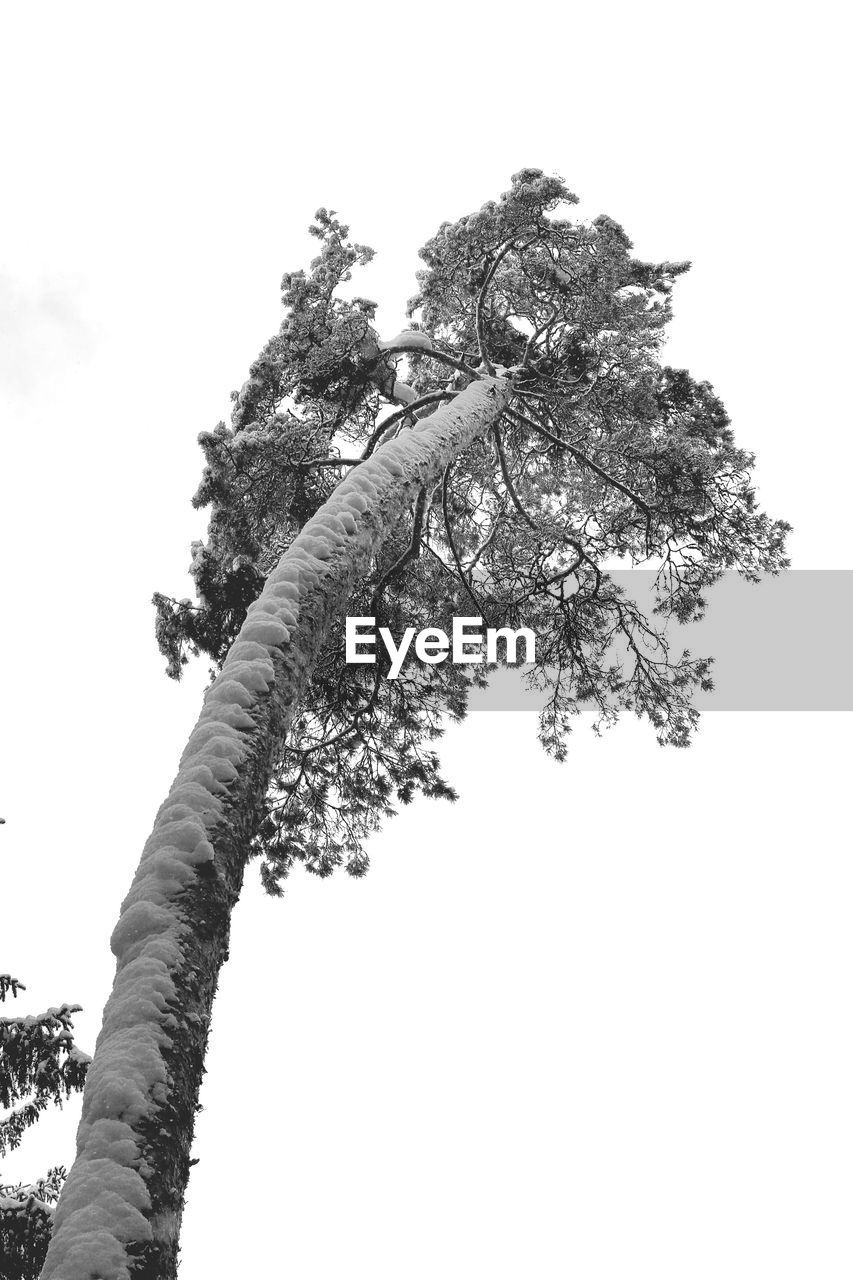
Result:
40,1066
606,457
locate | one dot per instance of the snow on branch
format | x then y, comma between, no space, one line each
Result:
409,340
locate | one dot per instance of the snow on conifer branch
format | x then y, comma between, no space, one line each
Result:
40,1065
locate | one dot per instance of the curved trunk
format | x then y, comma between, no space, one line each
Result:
120,1211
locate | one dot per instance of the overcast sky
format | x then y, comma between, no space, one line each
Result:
593,1021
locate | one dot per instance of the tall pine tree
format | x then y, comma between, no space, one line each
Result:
533,441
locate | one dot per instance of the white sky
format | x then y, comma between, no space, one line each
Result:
592,1021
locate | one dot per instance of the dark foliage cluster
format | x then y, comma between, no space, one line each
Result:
606,457
40,1065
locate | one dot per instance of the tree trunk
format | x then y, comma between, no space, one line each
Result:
120,1211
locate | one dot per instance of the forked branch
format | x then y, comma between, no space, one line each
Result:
586,461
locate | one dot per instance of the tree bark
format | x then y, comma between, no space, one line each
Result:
120,1211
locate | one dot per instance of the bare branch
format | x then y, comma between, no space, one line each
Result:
557,577
481,298
487,541
431,354
585,460
409,554
536,334
510,487
444,483
431,397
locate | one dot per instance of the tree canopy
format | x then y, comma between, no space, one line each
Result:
604,457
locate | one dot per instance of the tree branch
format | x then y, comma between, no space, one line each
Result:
472,564
585,460
409,554
431,354
537,333
431,397
323,462
510,487
452,544
481,297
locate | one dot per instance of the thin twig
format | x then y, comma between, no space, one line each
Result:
537,333
472,564
585,460
510,487
452,544
409,554
481,298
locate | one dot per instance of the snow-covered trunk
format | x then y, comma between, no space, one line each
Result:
120,1211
